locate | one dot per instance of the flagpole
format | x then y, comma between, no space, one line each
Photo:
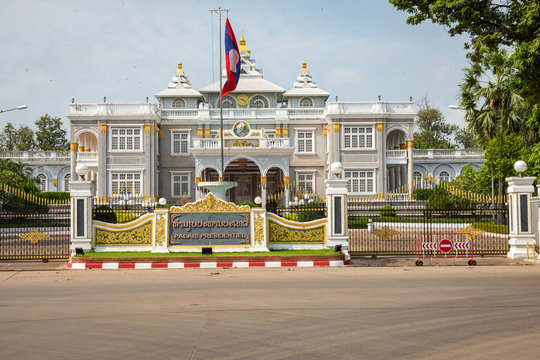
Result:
219,11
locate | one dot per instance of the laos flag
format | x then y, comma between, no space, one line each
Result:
232,60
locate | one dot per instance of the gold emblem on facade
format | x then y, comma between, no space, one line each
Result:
385,233
34,236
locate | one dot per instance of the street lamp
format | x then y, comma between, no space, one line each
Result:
337,169
82,170
20,107
455,107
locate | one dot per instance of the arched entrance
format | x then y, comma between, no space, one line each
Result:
248,176
396,160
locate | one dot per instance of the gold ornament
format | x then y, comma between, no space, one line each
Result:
210,204
34,236
385,233
259,229
160,233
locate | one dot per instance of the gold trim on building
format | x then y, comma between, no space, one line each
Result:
197,180
410,144
103,128
73,146
259,229
200,132
286,180
147,129
263,180
278,132
207,133
380,126
285,132
160,132
336,127
81,148
324,131
55,181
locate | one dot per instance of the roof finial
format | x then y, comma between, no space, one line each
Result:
304,69
179,69
243,45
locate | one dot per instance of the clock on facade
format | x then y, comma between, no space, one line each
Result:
242,99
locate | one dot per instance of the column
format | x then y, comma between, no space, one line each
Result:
336,207
73,161
410,167
259,232
101,182
147,146
263,190
286,183
520,190
82,203
380,144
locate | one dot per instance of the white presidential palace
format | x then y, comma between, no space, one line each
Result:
271,137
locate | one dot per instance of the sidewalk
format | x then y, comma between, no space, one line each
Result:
27,265
407,261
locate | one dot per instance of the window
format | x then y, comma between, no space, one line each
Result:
306,102
306,181
358,137
126,183
417,175
258,102
126,138
304,141
67,180
180,142
228,102
42,182
444,176
178,103
360,181
270,134
180,184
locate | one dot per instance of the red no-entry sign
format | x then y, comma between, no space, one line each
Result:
445,245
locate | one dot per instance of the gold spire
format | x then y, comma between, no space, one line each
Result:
304,69
179,69
242,46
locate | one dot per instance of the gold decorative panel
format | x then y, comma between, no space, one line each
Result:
280,234
336,127
259,229
141,235
73,146
385,233
147,129
380,126
34,236
103,128
161,230
210,204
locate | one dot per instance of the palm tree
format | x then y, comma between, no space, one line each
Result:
488,96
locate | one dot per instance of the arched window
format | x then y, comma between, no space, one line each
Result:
67,179
179,103
42,182
444,176
306,102
258,102
417,175
228,102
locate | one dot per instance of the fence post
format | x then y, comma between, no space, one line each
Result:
82,204
260,231
161,241
520,215
336,205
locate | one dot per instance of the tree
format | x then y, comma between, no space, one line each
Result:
488,96
434,132
466,139
8,140
490,25
25,139
50,135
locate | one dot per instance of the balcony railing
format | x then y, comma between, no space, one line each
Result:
112,109
370,107
87,155
447,153
396,154
248,114
35,155
275,143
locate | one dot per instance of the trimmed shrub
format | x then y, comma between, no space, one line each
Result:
249,203
291,217
357,222
123,217
55,195
311,211
104,213
388,211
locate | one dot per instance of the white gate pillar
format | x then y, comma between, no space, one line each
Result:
520,215
82,203
336,205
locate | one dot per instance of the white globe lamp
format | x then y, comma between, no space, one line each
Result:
82,170
258,200
162,201
336,168
520,166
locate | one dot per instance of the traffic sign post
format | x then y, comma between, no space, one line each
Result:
443,246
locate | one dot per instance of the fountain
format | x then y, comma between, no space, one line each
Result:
218,188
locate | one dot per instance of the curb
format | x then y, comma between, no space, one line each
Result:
203,265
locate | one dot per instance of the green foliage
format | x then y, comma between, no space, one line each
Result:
8,140
488,95
388,210
469,180
422,194
249,203
21,139
50,135
490,25
490,227
123,217
311,211
357,222
433,130
104,213
466,139
291,217
55,195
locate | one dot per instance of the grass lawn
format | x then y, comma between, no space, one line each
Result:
217,254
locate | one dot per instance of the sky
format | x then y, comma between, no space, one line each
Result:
126,50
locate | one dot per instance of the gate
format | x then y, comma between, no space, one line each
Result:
33,227
391,224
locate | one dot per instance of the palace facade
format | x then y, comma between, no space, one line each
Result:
271,137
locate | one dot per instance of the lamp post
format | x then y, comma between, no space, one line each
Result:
20,107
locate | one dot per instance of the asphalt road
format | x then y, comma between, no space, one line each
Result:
484,312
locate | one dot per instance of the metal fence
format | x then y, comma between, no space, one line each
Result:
308,212
395,226
122,208
32,227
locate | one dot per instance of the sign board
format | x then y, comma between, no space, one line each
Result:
445,245
209,229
